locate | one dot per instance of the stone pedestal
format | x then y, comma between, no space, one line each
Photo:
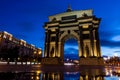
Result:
93,61
52,61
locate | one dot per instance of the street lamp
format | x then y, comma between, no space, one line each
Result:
18,58
8,60
39,52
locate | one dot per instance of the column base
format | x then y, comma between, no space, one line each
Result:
52,61
93,61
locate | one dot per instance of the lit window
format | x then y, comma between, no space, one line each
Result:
10,38
4,36
34,52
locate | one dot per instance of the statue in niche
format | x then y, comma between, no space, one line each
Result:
52,52
87,50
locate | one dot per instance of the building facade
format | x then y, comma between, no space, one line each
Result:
16,49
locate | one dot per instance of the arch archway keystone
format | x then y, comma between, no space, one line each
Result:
73,24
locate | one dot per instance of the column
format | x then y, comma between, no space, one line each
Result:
59,49
45,47
81,41
62,51
95,46
56,43
48,42
91,40
97,43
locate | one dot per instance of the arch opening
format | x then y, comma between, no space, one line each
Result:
71,50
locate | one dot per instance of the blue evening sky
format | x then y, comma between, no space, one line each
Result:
25,19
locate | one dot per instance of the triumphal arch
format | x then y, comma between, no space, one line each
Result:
81,25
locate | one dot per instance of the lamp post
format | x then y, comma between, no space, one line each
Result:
39,53
8,60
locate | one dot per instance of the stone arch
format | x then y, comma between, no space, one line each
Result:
72,34
66,36
72,24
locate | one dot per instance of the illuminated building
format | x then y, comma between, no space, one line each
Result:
24,50
81,25
112,61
